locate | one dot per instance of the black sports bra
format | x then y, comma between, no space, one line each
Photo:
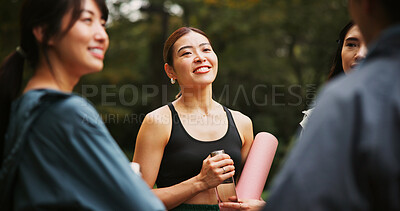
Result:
183,155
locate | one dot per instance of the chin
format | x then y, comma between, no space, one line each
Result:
96,67
92,70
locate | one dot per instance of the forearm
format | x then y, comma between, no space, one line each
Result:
175,195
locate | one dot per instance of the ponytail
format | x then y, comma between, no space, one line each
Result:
11,72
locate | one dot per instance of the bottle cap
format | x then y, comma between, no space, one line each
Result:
217,152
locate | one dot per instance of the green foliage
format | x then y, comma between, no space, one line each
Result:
273,57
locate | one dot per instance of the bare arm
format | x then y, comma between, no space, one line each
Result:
245,128
150,143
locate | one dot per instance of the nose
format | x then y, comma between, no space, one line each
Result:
361,53
100,34
199,58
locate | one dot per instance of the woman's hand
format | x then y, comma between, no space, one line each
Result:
245,204
215,170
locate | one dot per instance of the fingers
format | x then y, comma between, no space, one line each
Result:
220,157
234,205
220,161
233,199
246,204
217,169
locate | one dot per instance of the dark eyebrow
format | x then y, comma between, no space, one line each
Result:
88,11
188,46
206,43
352,39
93,14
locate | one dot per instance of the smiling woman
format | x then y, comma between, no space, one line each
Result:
58,154
174,154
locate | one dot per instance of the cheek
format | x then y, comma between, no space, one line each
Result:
345,56
81,34
214,60
107,42
344,59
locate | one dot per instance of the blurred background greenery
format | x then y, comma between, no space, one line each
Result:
274,55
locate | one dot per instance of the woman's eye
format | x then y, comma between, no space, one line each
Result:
207,49
186,53
103,23
351,45
87,20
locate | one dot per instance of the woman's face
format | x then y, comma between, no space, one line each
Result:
82,49
354,49
194,61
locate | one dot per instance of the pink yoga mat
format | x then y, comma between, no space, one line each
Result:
255,171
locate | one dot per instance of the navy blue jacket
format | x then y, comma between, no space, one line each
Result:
348,158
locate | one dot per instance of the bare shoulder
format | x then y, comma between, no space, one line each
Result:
241,120
160,116
245,128
156,125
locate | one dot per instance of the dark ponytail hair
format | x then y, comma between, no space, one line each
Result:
10,76
47,14
337,66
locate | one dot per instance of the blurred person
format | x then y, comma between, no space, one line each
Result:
350,51
175,140
348,158
58,154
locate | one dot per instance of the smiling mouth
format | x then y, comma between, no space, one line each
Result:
202,70
97,52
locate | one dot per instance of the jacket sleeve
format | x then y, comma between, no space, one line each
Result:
322,171
83,163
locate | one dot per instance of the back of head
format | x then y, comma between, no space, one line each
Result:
391,8
47,14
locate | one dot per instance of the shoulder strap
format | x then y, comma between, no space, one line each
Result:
172,108
174,114
229,115
12,158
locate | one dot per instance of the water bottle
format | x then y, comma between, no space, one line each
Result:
226,189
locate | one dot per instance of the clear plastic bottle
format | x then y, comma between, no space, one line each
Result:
226,189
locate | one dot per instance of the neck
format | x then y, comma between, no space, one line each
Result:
197,98
51,78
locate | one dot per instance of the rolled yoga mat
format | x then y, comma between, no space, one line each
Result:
255,171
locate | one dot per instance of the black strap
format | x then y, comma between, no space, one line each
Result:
175,116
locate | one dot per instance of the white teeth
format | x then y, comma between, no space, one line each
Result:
96,50
203,69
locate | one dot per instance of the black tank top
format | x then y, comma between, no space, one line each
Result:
183,155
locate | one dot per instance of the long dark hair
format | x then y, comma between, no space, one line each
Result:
337,67
45,13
